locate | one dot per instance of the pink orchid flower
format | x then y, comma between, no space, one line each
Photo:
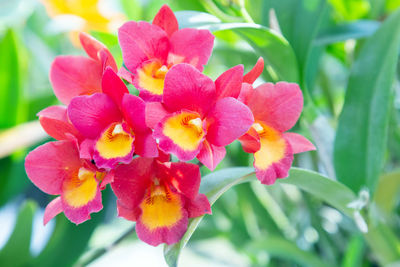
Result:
56,169
160,197
113,124
276,109
72,76
150,50
194,119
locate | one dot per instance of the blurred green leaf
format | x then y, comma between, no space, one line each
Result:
132,9
11,72
350,9
387,194
355,250
343,32
194,19
16,251
215,184
362,131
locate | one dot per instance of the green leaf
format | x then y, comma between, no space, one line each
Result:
16,251
363,125
355,251
339,33
387,194
216,183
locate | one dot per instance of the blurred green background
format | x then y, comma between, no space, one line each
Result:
345,56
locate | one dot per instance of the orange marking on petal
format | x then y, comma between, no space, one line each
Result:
161,208
272,148
80,189
151,77
114,142
185,130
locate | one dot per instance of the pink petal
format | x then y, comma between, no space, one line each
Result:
52,209
250,141
48,165
185,177
255,72
132,180
191,46
245,92
187,88
229,83
55,122
72,76
92,114
133,109
113,86
166,20
126,213
125,74
155,112
279,105
199,206
145,144
141,41
298,143
229,119
211,155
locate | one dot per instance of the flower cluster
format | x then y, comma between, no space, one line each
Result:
105,135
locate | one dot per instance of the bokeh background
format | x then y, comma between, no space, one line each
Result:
251,225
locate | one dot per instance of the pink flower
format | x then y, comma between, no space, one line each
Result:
150,50
113,124
56,169
276,109
72,76
160,197
197,117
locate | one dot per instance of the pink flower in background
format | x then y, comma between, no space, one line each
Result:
150,50
56,169
113,124
72,76
160,197
195,119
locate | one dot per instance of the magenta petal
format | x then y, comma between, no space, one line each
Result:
298,143
125,212
166,20
250,141
191,46
255,72
126,74
211,155
72,76
229,119
229,83
145,144
141,41
54,121
133,109
155,112
52,209
199,206
245,92
48,165
187,88
113,86
82,214
92,114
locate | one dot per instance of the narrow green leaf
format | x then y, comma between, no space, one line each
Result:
355,250
362,131
387,194
354,30
16,251
216,183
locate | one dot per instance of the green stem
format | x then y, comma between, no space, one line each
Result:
212,8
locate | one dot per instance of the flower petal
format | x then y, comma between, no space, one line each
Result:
279,105
72,76
298,143
145,144
133,109
250,141
191,46
229,83
211,155
229,119
55,122
52,209
255,72
141,41
199,206
48,165
187,88
113,86
155,112
166,20
92,114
